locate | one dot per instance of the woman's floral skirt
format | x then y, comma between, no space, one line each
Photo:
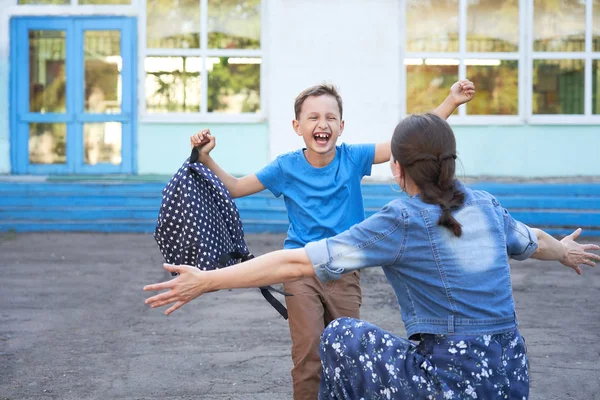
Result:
362,361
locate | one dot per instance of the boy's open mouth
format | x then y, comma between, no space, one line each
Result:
322,138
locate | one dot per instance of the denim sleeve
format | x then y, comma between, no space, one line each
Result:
271,176
377,241
521,241
363,156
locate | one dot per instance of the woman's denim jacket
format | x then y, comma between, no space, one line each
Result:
444,284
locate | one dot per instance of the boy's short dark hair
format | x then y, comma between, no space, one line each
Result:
318,90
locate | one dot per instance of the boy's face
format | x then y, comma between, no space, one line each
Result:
319,123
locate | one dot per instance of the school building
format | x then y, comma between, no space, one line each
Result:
97,91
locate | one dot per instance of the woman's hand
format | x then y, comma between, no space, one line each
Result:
576,254
190,284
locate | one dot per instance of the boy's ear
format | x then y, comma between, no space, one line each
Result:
341,128
296,127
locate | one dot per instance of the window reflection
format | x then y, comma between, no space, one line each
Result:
432,25
497,85
596,87
173,24
103,65
428,83
173,84
559,25
55,2
47,143
234,24
493,25
558,86
102,143
107,2
234,85
47,71
596,26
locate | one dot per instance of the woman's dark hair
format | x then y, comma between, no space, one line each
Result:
425,147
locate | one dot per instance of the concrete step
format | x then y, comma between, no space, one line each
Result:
133,207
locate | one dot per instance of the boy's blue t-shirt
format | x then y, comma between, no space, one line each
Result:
320,202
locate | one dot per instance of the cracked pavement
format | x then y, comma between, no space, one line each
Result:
73,325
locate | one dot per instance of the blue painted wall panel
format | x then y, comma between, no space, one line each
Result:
241,148
529,150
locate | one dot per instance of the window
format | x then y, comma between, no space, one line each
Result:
74,2
203,57
531,60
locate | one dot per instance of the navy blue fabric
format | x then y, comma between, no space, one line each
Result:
200,225
198,220
363,361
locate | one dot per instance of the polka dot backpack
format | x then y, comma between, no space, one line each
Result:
200,225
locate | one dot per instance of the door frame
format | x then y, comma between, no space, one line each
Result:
19,114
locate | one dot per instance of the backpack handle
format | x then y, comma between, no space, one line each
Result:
194,156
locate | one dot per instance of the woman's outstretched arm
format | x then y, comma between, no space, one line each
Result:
567,251
276,267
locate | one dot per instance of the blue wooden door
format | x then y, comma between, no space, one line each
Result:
73,95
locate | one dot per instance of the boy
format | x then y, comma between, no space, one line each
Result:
321,188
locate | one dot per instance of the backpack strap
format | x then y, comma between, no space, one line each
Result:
264,290
194,156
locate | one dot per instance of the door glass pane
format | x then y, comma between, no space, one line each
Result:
173,84
47,143
234,24
559,25
493,25
103,63
558,86
428,82
47,75
234,84
102,143
432,25
497,83
173,24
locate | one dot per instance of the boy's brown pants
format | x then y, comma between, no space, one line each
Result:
311,308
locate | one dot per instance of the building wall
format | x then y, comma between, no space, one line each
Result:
339,42
4,88
357,46
334,41
240,149
529,150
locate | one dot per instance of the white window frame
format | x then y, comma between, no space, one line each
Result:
524,56
73,9
587,118
203,115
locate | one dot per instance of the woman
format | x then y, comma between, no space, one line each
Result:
445,251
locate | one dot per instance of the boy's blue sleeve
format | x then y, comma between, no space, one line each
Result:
363,156
271,176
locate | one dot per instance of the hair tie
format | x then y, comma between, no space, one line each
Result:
431,157
443,157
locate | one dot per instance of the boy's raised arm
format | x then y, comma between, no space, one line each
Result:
237,187
460,93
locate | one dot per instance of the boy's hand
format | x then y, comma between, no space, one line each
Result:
462,92
204,141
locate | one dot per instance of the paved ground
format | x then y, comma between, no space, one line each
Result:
73,325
